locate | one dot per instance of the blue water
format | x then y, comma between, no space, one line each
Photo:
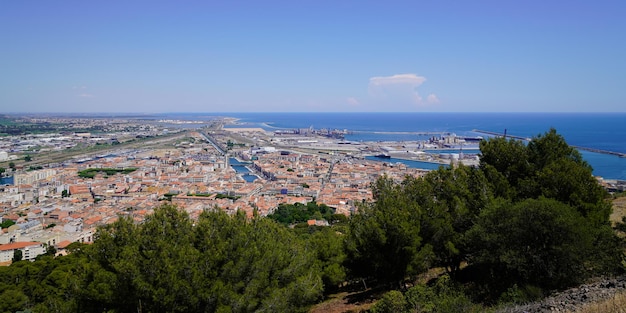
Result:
249,177
6,180
240,167
450,151
409,163
605,131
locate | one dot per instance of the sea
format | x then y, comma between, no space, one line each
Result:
603,131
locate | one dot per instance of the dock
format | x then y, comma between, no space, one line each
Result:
486,132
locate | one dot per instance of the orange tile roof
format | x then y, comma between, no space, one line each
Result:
18,245
63,244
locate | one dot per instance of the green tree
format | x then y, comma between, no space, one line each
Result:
50,250
110,279
170,263
264,266
504,160
328,247
547,167
297,213
391,302
540,242
7,223
443,296
166,261
450,199
383,240
17,255
12,299
562,174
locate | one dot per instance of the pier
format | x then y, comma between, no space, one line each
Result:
619,154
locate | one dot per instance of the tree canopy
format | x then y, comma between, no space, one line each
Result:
172,264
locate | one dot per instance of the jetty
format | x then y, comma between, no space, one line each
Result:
486,132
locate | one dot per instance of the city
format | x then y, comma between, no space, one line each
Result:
52,204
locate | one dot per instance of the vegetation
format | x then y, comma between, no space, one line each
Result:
167,264
6,223
168,196
384,242
225,196
91,172
12,126
442,297
530,219
198,194
289,214
17,256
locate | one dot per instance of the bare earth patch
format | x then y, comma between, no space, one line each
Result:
619,209
348,302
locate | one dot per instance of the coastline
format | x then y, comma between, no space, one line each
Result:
600,132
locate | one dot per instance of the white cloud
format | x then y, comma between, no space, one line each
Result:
352,101
86,95
398,79
432,98
399,90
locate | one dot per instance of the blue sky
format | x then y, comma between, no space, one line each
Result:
312,56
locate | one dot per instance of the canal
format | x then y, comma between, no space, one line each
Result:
240,168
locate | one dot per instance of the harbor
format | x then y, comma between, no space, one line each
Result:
594,150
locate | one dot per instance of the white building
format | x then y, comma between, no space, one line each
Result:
28,178
30,250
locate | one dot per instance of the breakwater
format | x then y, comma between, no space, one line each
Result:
417,133
486,132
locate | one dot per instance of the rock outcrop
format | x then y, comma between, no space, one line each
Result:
575,298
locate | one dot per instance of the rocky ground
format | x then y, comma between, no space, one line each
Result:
575,299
